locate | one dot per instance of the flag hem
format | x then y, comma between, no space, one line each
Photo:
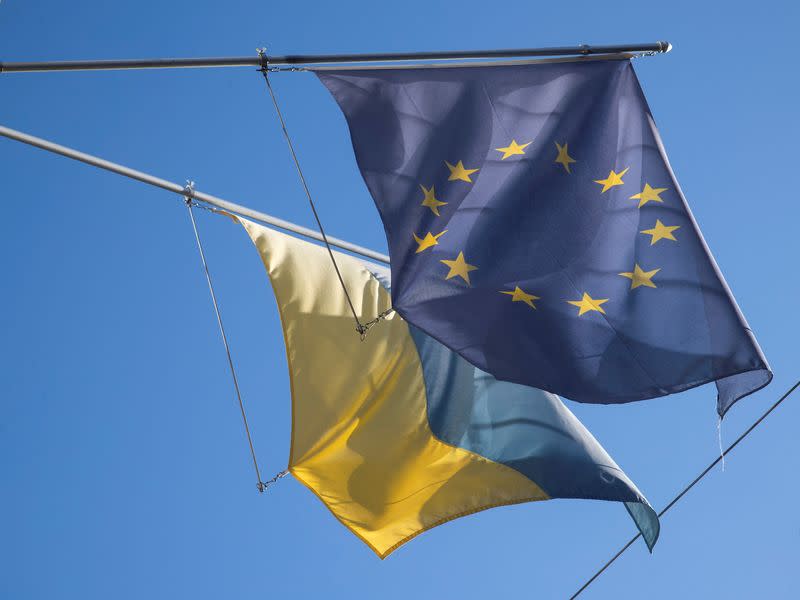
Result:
690,386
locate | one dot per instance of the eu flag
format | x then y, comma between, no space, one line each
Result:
535,227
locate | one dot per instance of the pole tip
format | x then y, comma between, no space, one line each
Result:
665,47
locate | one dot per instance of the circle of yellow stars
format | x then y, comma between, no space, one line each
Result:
458,267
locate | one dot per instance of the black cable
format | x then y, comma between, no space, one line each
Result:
687,488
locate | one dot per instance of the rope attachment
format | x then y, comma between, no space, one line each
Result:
365,327
265,66
264,485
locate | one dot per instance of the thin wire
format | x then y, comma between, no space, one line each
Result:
260,484
359,327
369,324
275,479
688,487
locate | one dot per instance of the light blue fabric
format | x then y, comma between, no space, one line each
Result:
522,427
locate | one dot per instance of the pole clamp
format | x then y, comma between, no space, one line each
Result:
262,55
188,192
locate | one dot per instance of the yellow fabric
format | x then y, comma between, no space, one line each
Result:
360,435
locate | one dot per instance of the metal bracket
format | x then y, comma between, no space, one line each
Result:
663,48
262,56
188,192
265,66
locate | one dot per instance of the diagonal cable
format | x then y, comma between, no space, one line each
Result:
362,329
687,488
261,485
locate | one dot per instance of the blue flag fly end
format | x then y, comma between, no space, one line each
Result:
535,227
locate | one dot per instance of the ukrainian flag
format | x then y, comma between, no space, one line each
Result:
397,434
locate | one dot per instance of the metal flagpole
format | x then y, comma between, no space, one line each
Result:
298,60
189,192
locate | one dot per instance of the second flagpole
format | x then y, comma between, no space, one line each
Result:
215,201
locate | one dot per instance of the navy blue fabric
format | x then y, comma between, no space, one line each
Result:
525,221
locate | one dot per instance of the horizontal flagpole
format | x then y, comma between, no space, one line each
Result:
299,60
188,192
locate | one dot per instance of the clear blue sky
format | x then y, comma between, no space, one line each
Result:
124,471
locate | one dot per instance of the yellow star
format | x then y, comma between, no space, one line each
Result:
648,194
459,172
430,200
612,180
428,241
512,149
587,303
459,267
519,296
563,156
639,277
661,232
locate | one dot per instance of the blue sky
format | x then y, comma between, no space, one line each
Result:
124,471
